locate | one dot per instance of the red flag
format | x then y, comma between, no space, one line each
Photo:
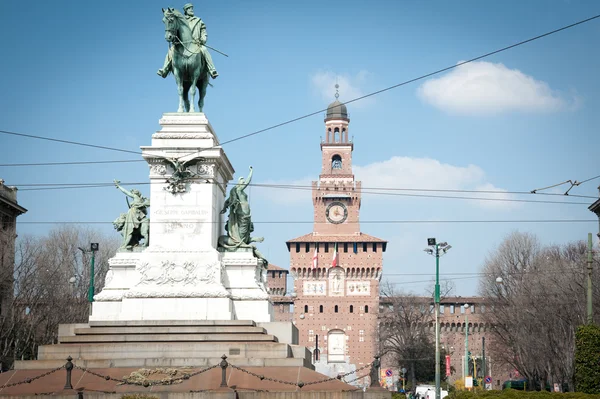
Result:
447,365
315,259
334,261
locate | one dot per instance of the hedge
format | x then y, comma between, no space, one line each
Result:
587,359
514,394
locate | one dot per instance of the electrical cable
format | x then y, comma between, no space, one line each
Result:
61,186
190,222
324,110
68,142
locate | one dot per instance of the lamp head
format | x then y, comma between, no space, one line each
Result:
499,280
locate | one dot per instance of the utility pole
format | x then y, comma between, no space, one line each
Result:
93,249
483,367
435,251
590,314
466,342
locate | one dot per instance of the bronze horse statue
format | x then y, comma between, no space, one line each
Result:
189,67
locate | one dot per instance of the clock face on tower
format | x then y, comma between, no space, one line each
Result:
336,212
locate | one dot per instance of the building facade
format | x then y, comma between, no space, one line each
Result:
337,268
9,210
283,304
463,330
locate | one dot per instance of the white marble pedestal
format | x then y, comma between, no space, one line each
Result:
181,275
245,280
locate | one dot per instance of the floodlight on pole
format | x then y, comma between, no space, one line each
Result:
94,246
432,242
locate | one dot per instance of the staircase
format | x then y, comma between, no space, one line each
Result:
181,343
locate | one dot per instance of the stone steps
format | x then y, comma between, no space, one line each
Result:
155,350
172,323
154,337
144,331
159,362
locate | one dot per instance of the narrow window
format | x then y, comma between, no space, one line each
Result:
452,309
364,247
366,308
335,309
374,247
320,308
307,247
441,309
351,308
298,247
305,308
336,162
345,247
326,247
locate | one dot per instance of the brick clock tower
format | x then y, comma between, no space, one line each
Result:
336,268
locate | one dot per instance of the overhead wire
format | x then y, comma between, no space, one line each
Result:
61,186
324,110
287,222
68,142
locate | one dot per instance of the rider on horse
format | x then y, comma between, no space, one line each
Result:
199,34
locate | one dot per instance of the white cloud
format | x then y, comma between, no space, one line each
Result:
484,88
427,173
351,87
401,173
409,172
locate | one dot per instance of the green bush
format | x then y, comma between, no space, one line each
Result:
587,359
514,394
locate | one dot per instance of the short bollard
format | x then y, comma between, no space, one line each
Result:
69,368
224,365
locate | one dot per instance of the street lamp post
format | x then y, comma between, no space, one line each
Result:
435,251
466,342
93,248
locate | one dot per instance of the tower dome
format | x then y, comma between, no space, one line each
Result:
337,110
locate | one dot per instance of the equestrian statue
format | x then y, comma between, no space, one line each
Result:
188,57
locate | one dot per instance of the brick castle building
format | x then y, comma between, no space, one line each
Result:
336,268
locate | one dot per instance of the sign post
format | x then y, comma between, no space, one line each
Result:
488,382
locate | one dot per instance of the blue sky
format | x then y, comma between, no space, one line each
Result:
519,120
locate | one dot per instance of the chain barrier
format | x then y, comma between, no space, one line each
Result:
29,380
126,381
356,379
185,376
301,384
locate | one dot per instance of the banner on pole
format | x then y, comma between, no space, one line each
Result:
447,365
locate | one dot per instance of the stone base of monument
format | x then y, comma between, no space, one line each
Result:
245,280
175,357
196,285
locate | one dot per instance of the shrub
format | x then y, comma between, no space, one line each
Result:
587,359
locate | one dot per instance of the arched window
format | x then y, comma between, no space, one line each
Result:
320,308
351,308
335,308
336,162
366,308
305,308
336,135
